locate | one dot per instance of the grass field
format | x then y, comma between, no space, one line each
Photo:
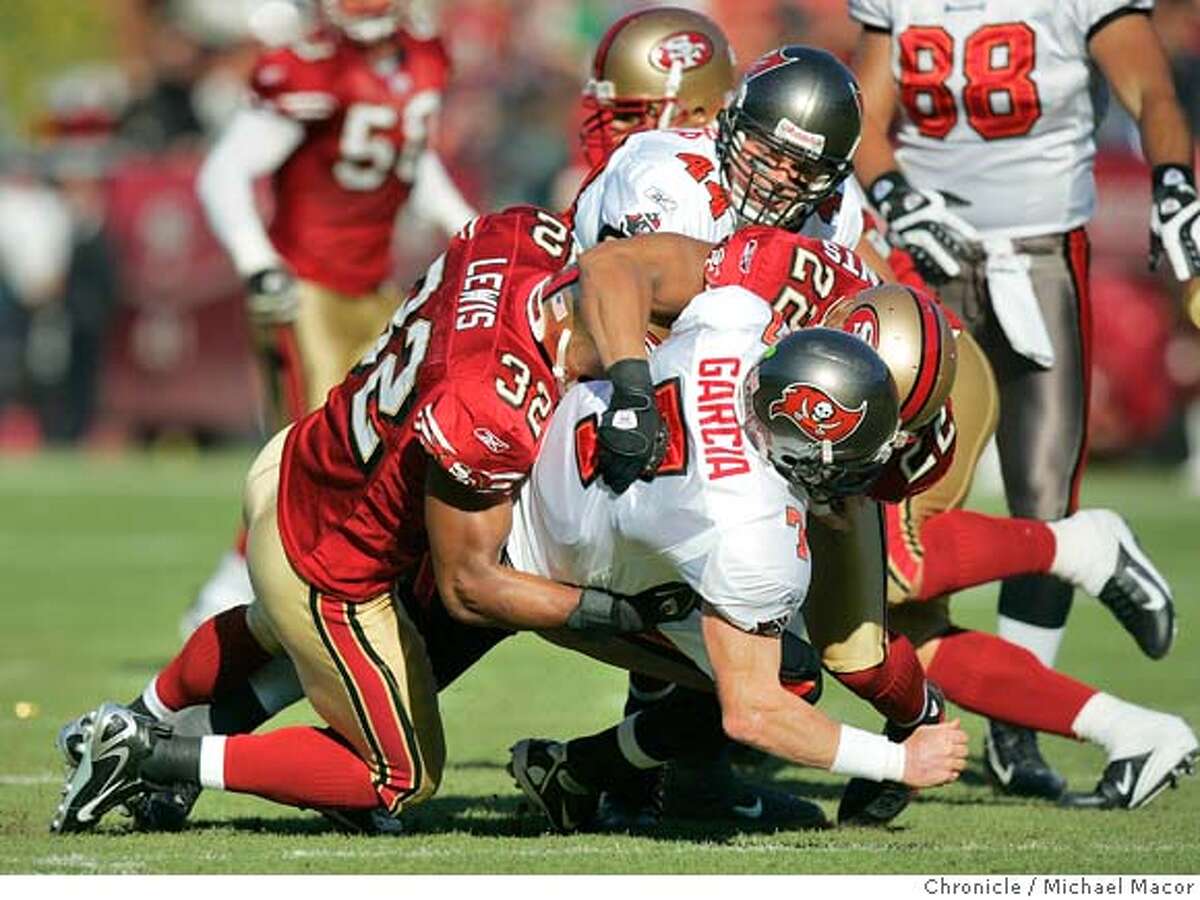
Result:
99,557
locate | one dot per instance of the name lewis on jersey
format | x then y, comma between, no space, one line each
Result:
480,294
722,446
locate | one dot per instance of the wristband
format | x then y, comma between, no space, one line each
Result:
631,375
861,754
594,612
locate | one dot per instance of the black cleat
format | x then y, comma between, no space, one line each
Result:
1137,593
1133,781
1015,765
878,803
709,790
163,809
636,806
117,743
373,822
541,772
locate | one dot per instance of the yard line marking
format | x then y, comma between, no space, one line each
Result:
34,778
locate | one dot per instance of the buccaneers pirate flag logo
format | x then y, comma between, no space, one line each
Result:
816,414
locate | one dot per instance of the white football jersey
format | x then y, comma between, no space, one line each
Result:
717,516
668,180
1001,102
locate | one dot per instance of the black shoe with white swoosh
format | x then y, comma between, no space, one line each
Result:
1015,765
117,743
877,803
1139,595
1133,781
541,772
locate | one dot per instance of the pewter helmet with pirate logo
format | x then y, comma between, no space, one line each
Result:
803,111
822,406
655,68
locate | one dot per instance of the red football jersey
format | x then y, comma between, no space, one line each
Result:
461,377
366,124
800,276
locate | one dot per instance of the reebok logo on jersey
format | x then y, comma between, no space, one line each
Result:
818,415
489,440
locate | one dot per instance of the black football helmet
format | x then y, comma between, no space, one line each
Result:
822,406
786,141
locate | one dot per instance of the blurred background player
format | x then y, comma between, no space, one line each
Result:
339,122
996,98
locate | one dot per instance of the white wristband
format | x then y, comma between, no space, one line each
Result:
861,754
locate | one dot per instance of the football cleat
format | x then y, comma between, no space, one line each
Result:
362,821
1015,765
163,809
72,739
1136,591
635,807
541,772
117,743
1133,781
878,803
709,790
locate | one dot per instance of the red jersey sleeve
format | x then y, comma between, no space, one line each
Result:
427,61
799,276
917,466
296,82
476,440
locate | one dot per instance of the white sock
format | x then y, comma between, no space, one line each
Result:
1085,549
630,749
212,761
154,703
1121,728
1041,642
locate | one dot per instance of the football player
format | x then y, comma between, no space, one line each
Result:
1093,549
415,453
757,432
996,99
339,123
663,67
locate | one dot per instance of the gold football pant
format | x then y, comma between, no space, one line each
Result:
363,665
331,333
976,406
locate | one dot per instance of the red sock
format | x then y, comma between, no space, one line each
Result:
895,687
988,675
299,766
222,653
964,549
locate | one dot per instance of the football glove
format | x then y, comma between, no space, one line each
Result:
921,223
1175,220
632,437
603,612
271,297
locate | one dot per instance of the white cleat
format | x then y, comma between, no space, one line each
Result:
1137,777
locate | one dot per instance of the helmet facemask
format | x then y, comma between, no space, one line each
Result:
772,181
364,21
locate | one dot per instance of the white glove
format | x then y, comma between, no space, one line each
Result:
271,297
921,222
1175,221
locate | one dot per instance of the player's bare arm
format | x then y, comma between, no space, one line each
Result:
467,531
873,69
1131,57
758,711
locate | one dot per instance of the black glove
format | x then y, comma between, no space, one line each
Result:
631,437
602,612
921,222
271,297
1175,220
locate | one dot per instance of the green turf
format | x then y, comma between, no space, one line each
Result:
99,557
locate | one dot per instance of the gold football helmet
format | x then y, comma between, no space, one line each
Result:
911,333
663,67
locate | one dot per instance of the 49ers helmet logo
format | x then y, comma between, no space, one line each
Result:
688,48
863,323
816,414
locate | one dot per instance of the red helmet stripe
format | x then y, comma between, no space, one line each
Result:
931,353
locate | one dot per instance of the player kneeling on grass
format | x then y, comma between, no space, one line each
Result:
756,433
418,449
